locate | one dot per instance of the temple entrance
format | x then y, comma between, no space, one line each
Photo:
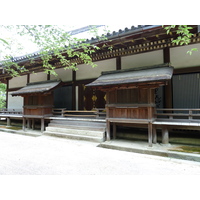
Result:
90,98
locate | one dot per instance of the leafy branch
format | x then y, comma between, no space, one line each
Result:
54,41
184,35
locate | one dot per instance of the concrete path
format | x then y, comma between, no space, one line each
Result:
20,154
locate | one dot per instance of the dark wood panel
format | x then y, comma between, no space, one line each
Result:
134,113
38,104
90,98
143,96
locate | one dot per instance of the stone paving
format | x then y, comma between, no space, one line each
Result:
45,155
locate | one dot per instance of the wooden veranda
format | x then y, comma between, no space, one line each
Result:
165,120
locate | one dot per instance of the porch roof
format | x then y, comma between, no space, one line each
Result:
39,87
158,73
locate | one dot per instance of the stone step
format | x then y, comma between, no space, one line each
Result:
78,123
76,131
76,137
70,126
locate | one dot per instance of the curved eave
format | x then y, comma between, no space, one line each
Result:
147,75
37,88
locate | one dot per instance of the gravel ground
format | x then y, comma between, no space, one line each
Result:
45,155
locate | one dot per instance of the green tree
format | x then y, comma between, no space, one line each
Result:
51,40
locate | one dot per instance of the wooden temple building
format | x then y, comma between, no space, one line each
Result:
130,96
144,80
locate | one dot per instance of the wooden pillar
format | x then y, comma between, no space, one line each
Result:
8,121
33,124
166,55
118,63
150,116
73,90
107,130
154,135
150,134
42,124
28,78
48,76
114,130
24,124
7,88
28,123
165,135
168,88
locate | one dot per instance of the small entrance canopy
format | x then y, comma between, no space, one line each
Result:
130,96
158,75
38,101
37,88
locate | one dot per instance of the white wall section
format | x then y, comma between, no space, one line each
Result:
180,58
87,72
19,81
64,75
143,59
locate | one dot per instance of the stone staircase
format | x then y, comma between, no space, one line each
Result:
77,128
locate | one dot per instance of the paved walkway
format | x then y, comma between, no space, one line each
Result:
45,155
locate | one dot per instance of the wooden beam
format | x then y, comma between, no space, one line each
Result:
168,88
187,70
118,63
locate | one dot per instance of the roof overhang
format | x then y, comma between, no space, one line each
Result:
37,88
150,75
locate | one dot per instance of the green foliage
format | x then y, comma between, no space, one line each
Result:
184,35
183,32
4,41
191,50
54,41
2,95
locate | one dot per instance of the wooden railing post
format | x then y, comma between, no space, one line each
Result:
165,135
154,135
150,134
190,114
107,130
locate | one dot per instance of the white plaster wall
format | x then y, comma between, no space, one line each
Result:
87,72
180,59
143,59
38,77
15,102
64,75
16,82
